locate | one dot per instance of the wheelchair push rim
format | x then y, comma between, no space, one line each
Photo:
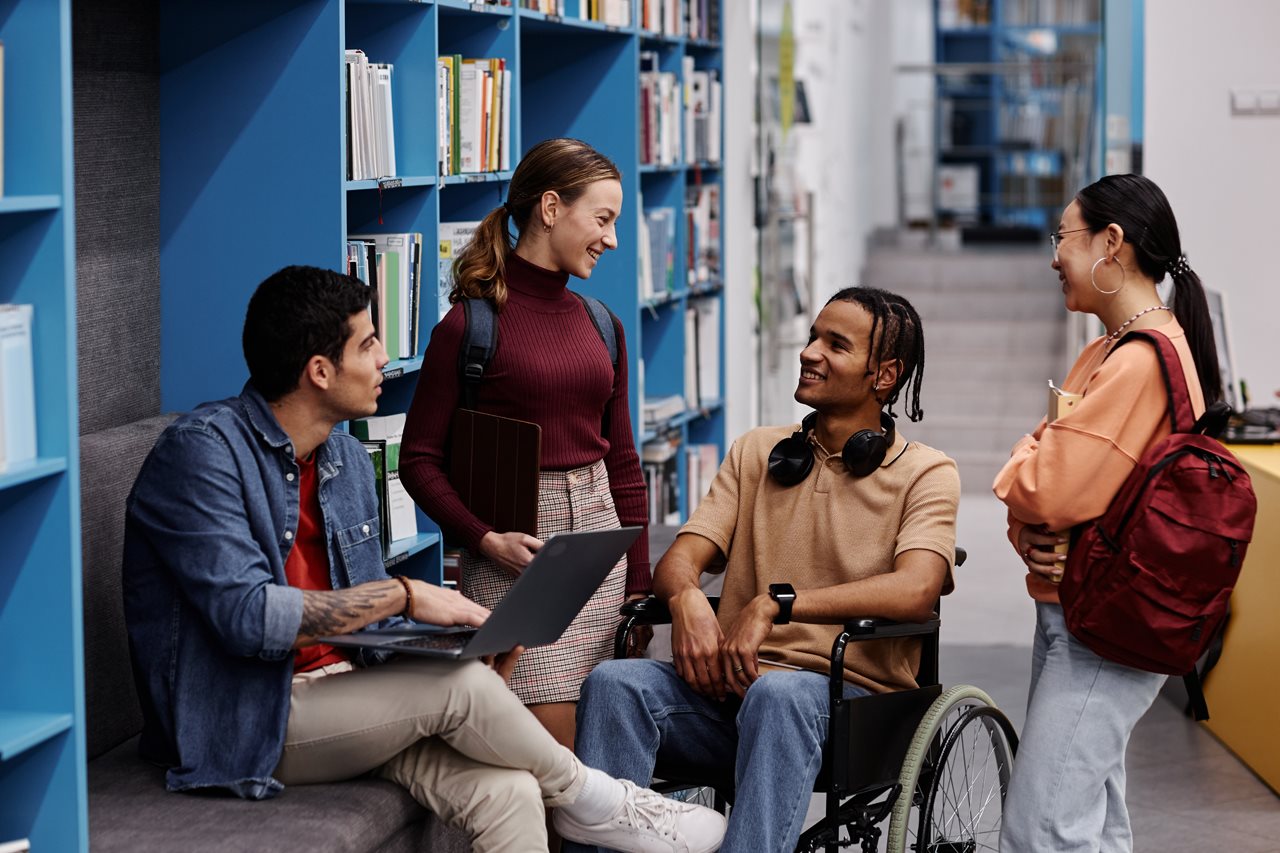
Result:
955,777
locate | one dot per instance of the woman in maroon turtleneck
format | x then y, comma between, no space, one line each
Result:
552,368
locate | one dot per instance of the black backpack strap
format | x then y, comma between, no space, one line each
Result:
1195,696
479,342
603,320
1182,417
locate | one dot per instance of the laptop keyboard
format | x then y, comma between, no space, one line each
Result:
445,642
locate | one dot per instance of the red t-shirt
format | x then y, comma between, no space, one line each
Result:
308,564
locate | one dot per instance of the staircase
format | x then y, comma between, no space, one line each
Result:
995,332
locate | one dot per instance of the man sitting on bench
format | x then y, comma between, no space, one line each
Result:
252,529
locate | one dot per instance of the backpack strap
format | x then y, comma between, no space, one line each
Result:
479,342
603,320
1195,696
1182,417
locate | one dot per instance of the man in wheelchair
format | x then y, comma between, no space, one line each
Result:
813,526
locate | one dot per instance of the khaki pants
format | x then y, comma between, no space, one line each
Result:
450,733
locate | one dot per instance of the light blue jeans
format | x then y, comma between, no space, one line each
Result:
633,710
1067,791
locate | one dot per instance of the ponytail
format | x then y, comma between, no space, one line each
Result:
479,271
1191,309
1138,206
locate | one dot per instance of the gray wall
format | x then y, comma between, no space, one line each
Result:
116,104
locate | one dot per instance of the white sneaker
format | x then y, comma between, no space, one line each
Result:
648,822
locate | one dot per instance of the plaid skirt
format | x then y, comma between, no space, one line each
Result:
567,501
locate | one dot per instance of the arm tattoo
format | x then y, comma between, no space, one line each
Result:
339,611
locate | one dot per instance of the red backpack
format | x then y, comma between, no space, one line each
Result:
1147,584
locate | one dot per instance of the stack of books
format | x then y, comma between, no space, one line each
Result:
371,144
659,458
657,252
703,97
703,19
381,436
17,388
392,265
473,112
454,237
666,17
657,411
702,353
660,113
702,461
702,221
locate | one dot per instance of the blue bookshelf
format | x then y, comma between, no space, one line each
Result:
1029,133
42,741
253,165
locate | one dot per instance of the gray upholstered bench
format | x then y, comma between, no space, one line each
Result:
129,809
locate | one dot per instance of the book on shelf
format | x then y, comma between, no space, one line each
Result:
657,252
451,559
691,398
370,120
660,112
707,345
666,17
393,263
378,456
702,218
385,432
454,237
702,461
703,97
17,845
656,411
659,461
17,388
702,19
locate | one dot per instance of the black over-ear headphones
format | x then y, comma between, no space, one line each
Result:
791,459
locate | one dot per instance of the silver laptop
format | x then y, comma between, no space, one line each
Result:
541,603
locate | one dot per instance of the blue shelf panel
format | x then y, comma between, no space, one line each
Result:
391,183
651,37
36,470
477,8
970,32
403,549
477,178
702,44
559,21
662,299
704,166
677,421
657,168
400,366
30,203
21,730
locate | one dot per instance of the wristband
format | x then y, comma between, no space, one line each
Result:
407,613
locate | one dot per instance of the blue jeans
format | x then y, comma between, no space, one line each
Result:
633,711
1067,790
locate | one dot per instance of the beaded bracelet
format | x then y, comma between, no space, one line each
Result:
408,596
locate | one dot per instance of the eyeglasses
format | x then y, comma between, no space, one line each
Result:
1055,237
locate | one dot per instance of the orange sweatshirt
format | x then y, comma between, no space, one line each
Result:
1067,472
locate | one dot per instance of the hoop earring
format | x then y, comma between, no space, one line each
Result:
546,228
1094,282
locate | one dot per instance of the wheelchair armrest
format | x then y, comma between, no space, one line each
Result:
653,610
879,629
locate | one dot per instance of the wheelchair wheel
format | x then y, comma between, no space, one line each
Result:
955,777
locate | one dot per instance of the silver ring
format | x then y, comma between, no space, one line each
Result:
737,669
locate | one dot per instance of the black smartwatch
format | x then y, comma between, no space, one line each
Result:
785,595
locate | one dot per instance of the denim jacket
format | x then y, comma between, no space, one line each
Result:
211,617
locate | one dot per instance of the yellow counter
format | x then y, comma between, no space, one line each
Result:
1243,690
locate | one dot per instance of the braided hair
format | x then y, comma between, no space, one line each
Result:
896,335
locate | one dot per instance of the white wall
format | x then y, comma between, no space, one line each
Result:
1221,173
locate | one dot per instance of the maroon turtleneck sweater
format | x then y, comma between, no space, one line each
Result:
550,368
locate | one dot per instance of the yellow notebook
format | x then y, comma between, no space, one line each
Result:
1061,402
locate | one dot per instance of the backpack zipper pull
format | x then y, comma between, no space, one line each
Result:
1235,553
1213,471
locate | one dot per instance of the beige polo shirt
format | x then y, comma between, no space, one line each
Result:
830,529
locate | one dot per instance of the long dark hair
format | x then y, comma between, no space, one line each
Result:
565,166
1138,206
896,335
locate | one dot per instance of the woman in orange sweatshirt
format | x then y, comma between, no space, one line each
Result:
1117,240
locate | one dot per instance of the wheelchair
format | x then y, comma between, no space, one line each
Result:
935,763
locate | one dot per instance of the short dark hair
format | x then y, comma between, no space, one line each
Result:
896,335
296,313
